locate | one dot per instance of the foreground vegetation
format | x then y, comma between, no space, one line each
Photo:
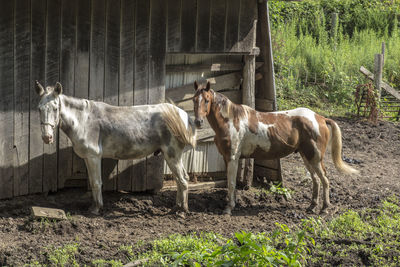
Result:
366,237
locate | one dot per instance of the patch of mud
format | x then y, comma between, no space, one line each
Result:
131,218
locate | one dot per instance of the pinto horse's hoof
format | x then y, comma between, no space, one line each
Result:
312,209
330,210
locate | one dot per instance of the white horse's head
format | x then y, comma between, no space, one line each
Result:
49,109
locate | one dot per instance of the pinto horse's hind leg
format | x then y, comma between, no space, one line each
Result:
315,189
325,189
93,166
231,174
181,178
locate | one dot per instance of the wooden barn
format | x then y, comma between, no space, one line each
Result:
125,52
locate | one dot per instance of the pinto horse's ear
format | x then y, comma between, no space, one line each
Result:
58,89
39,88
195,85
208,86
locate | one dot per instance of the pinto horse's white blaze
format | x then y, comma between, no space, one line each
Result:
242,132
98,130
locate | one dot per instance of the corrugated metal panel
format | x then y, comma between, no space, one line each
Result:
205,158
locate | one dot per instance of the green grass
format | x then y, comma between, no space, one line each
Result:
356,237
312,72
372,233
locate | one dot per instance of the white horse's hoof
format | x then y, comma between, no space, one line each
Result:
227,211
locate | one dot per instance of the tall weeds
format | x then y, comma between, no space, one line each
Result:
312,71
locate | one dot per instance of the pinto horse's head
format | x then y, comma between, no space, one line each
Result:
49,109
202,102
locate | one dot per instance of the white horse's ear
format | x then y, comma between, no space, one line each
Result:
39,89
58,89
208,86
195,85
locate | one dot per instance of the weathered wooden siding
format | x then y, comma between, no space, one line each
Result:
105,50
211,26
90,46
205,158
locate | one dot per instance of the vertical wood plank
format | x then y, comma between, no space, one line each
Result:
6,97
247,25
52,75
156,83
188,26
218,25
203,25
38,54
113,10
232,24
125,97
174,25
81,82
97,50
142,33
22,90
67,77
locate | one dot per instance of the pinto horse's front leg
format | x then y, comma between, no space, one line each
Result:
231,174
93,166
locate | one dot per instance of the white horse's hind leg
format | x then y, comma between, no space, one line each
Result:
93,166
181,178
231,173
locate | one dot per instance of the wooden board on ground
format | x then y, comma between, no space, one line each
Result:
49,213
199,186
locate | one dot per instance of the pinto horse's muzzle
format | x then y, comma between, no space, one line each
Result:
199,123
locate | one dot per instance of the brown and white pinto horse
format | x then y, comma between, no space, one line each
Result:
242,132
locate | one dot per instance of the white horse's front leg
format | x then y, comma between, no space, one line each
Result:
93,166
231,173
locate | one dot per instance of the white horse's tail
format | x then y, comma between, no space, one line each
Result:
180,124
336,147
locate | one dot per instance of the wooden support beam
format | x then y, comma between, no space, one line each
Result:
246,166
265,94
207,67
185,92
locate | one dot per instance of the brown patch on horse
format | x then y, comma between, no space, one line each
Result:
220,126
235,111
252,121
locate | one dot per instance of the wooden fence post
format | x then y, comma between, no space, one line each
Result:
378,67
334,28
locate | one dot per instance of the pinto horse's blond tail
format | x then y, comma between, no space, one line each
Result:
180,124
336,147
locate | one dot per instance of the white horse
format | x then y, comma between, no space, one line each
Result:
98,130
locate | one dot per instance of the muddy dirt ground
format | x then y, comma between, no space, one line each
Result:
130,218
